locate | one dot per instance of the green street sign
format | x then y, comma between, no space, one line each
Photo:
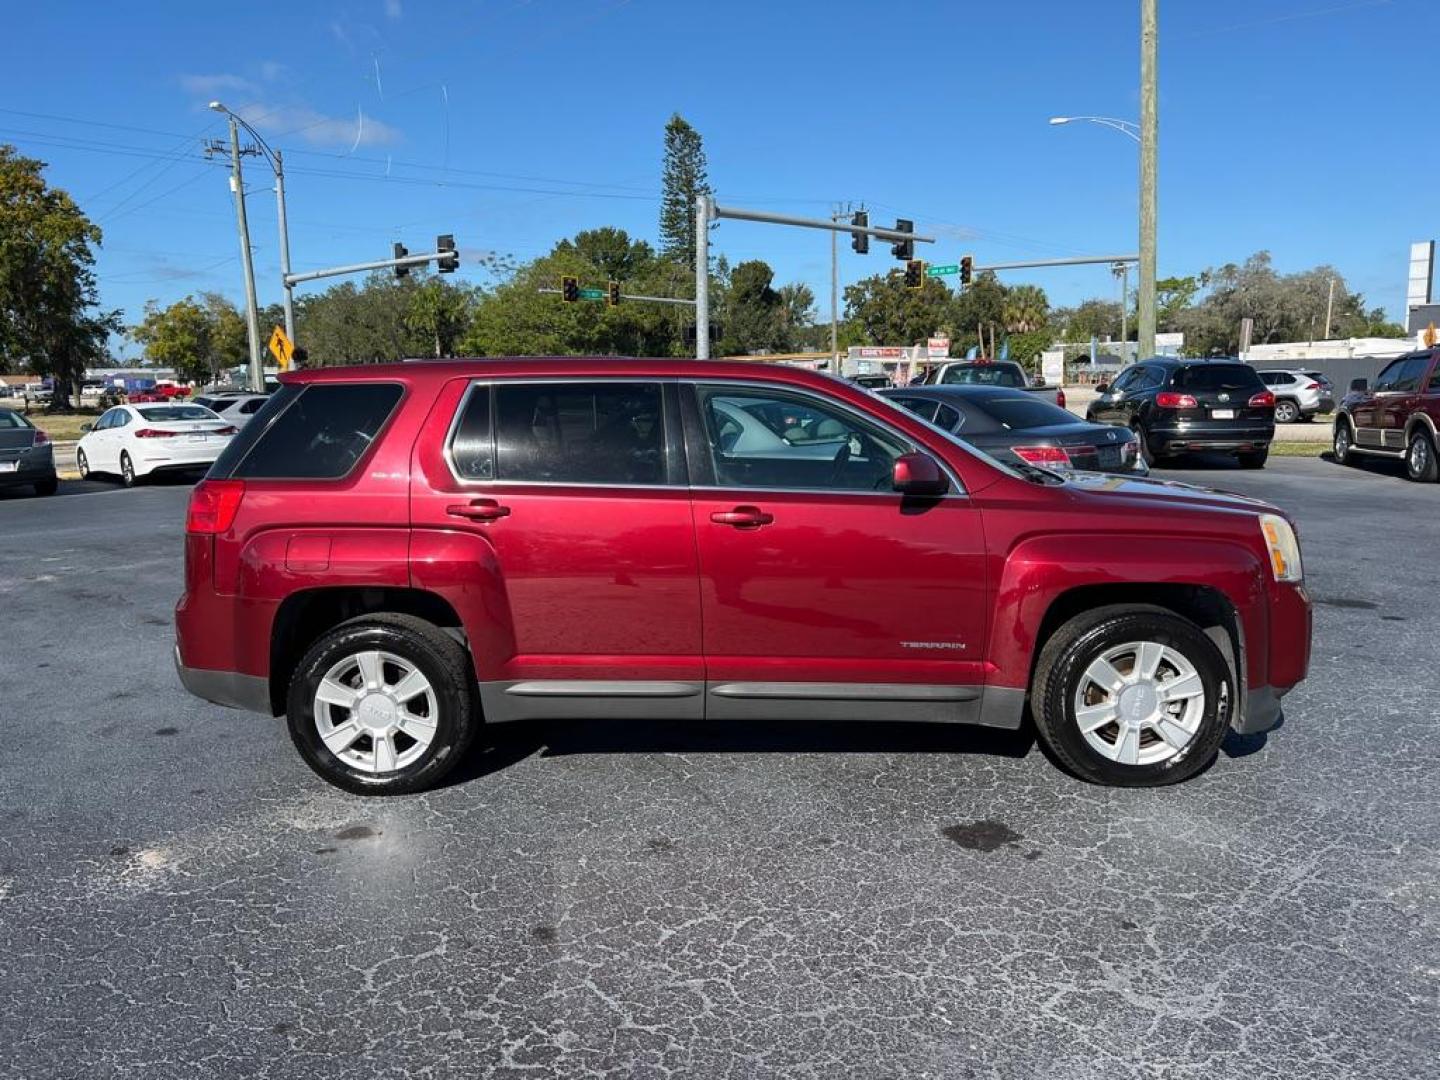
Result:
592,294
939,271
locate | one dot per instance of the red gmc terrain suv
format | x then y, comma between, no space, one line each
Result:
391,555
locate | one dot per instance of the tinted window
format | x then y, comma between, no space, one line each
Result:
472,448
219,404
583,433
983,375
314,432
1217,377
921,407
764,439
1149,378
120,419
948,418
1411,373
251,407
10,420
1127,378
1387,378
1018,413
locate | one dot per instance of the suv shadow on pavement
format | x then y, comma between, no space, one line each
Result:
501,747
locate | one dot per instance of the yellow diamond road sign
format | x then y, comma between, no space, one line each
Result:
282,348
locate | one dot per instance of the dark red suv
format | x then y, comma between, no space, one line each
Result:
392,555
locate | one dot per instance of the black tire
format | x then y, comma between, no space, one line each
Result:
47,487
1255,459
441,659
127,470
1420,463
1147,455
1342,443
82,464
1286,412
1075,645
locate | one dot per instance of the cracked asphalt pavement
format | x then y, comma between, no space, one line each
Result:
181,897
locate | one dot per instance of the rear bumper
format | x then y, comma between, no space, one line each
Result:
229,688
1231,437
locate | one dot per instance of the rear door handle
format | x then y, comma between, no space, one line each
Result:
743,517
479,510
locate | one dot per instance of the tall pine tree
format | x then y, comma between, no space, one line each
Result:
684,179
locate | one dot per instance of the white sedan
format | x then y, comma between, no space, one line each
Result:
133,441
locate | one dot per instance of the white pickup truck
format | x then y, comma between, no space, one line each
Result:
989,373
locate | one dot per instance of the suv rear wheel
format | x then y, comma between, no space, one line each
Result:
1132,697
1255,459
1343,441
1286,412
383,705
1420,463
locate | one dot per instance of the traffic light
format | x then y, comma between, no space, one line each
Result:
967,264
400,253
612,294
449,261
569,289
914,274
860,242
903,249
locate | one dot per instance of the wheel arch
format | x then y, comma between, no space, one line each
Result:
1419,421
304,616
1207,606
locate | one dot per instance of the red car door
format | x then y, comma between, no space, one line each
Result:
559,510
1396,405
823,591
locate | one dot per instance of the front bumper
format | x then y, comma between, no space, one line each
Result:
228,688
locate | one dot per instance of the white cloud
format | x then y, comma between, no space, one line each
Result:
319,129
215,84
393,9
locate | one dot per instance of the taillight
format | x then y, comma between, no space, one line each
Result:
1042,455
1168,399
213,505
154,433
231,430
41,438
1263,400
1312,386
1060,398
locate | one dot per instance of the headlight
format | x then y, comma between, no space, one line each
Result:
1284,547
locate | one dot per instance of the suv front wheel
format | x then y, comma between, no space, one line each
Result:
382,705
1132,697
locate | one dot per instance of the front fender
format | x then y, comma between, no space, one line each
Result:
1040,570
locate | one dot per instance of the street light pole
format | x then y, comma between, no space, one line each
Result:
1149,133
703,214
252,317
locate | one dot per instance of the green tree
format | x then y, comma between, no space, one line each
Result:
368,323
888,313
751,311
612,253
50,320
179,337
1173,296
229,337
1025,309
441,312
684,178
978,309
1091,318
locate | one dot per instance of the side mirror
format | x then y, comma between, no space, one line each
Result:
1359,386
1102,388
919,474
87,427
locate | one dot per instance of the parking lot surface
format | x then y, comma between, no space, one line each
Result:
180,897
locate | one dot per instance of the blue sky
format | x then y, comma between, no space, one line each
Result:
1305,127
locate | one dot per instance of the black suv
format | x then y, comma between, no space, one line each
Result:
1178,406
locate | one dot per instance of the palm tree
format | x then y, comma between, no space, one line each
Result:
1026,309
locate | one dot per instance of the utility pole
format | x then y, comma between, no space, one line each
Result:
252,316
1329,309
1149,132
703,214
284,247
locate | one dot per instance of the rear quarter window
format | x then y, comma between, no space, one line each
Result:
314,432
1018,414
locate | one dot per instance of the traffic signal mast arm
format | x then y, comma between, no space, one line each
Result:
360,268
818,223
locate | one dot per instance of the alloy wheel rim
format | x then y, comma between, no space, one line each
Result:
1342,443
376,712
1140,703
1419,455
82,464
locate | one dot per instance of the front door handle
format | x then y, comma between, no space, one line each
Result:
479,510
742,517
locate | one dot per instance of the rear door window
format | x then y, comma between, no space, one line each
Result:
314,432
580,433
1017,413
1411,373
